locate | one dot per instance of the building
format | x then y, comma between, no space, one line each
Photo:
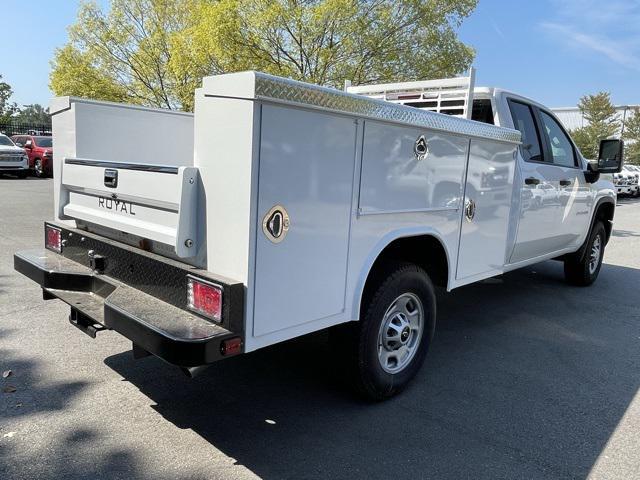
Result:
572,118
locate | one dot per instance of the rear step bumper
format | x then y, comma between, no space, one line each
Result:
99,301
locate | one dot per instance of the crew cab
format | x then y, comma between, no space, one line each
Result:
13,159
40,151
282,208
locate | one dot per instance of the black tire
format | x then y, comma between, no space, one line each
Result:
38,170
406,281
580,271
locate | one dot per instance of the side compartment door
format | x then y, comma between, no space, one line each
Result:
305,185
538,188
487,207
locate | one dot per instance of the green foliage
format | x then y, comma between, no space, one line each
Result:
7,108
34,114
125,54
155,52
326,42
632,136
75,73
603,122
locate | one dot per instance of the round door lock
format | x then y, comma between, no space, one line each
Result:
275,224
421,148
469,210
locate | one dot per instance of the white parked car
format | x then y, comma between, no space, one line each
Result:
627,181
283,208
13,159
634,176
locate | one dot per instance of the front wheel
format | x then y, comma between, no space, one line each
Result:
584,271
38,169
395,331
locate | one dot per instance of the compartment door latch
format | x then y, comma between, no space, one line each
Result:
110,178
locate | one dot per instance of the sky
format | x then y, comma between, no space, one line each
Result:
553,51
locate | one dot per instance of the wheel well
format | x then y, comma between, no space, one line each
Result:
605,214
426,251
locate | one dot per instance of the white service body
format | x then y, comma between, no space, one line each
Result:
345,170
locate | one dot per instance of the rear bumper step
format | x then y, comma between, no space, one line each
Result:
98,301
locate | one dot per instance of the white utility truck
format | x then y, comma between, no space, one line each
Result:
282,208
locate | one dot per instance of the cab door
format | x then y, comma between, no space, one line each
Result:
538,187
574,193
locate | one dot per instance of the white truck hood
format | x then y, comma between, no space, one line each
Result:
9,149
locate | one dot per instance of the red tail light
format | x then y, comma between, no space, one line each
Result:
53,238
204,298
231,346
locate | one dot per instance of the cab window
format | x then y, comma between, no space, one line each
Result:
482,111
523,120
561,147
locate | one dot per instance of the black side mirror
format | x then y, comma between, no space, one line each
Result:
610,156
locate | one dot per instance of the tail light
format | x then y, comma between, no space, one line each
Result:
204,298
231,346
53,238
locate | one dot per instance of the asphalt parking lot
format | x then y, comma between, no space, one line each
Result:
527,378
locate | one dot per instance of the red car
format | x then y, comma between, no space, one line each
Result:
40,151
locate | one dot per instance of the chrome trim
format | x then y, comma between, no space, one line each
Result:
122,165
364,212
268,87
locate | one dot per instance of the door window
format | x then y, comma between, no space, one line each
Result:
559,143
523,120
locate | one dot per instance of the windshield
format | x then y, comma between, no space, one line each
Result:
45,142
6,141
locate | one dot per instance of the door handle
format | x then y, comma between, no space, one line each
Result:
531,181
565,183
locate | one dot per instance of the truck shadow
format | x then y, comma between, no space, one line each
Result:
527,378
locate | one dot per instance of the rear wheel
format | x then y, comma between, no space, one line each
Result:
584,271
395,331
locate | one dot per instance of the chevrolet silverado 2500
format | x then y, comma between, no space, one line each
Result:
282,208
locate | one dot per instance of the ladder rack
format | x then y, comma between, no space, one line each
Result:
451,96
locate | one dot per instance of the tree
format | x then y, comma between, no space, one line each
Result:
632,136
155,52
327,42
125,54
7,108
602,122
34,114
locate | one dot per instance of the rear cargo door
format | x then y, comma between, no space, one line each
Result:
151,201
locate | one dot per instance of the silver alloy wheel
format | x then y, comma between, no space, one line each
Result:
594,257
400,333
38,168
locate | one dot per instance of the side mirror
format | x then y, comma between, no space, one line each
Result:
28,144
610,156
